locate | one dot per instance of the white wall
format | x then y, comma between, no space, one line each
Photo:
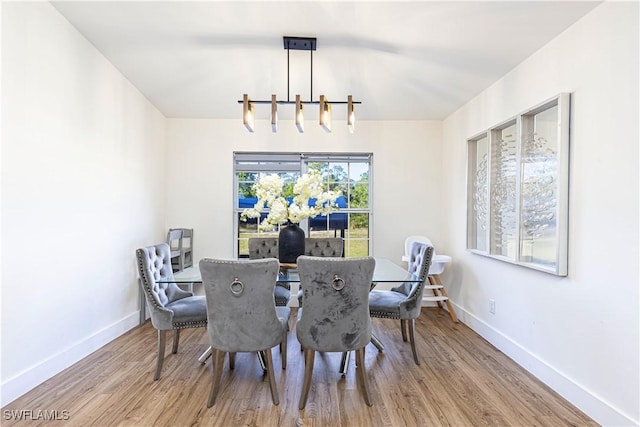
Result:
579,334
82,187
406,166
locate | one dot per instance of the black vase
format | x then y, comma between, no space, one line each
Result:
290,243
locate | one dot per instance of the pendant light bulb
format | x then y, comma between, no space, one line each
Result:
351,117
325,114
247,113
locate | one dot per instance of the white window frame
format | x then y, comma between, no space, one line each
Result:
292,163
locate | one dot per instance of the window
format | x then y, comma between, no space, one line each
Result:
348,173
518,188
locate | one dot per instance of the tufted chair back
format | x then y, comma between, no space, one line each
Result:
263,247
335,316
324,247
155,262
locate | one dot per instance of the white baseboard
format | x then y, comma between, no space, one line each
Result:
25,381
602,412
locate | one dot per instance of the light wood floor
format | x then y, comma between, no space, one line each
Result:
462,381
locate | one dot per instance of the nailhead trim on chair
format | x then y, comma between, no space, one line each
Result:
145,282
383,314
186,325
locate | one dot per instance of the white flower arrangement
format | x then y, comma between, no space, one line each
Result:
269,192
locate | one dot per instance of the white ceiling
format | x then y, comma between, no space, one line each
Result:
403,60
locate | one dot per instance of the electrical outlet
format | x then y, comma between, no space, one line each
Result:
492,306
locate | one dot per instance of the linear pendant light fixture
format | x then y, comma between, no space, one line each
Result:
324,106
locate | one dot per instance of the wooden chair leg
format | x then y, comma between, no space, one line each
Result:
176,341
309,356
412,338
283,351
232,361
364,381
218,361
288,319
403,329
162,340
272,377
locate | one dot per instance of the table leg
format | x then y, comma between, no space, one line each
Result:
344,363
262,361
187,285
207,354
293,289
375,341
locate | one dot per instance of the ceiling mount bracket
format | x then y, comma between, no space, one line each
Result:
299,43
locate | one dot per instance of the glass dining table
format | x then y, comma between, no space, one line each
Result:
386,271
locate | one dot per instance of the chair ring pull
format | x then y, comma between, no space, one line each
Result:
338,283
237,287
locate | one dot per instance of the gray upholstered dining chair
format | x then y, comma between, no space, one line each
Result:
174,240
335,316
405,301
242,314
186,246
267,247
170,307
